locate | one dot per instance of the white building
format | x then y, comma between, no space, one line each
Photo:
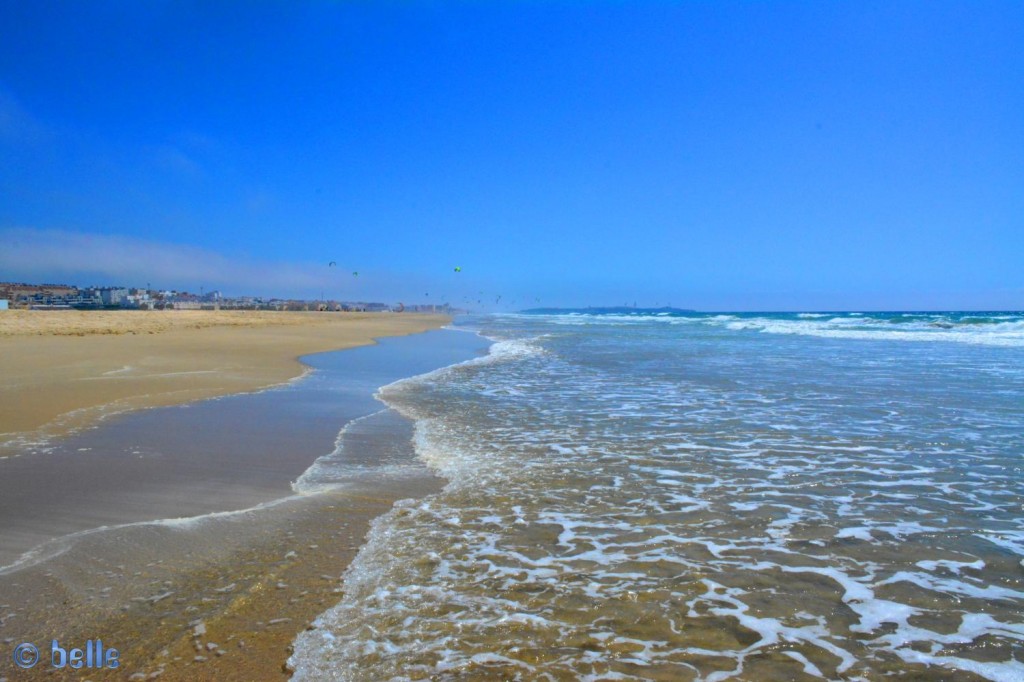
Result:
3,304
113,296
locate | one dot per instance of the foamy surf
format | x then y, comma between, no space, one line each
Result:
697,502
991,329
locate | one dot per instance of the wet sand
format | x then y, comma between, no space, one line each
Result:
223,454
62,370
219,601
221,596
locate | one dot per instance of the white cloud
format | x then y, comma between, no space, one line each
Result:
38,255
80,258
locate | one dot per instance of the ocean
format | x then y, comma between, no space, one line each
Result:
702,497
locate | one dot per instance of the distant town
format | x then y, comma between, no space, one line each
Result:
69,297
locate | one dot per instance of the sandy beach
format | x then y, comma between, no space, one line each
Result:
220,601
63,370
221,597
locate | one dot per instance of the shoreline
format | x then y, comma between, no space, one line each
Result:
68,370
222,596
222,599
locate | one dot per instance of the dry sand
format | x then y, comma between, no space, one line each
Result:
62,370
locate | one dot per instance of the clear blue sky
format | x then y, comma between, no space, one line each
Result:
722,156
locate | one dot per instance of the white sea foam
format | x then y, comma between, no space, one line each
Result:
954,566
1011,540
1006,334
335,470
658,502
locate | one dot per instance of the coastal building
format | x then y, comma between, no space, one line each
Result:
113,295
59,296
22,295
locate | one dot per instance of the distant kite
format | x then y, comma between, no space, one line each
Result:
458,269
355,274
331,264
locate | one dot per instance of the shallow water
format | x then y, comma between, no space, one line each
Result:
710,497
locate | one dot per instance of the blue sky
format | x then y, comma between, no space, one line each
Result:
714,155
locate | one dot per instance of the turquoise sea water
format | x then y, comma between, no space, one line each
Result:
702,496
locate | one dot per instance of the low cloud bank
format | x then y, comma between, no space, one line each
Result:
62,256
